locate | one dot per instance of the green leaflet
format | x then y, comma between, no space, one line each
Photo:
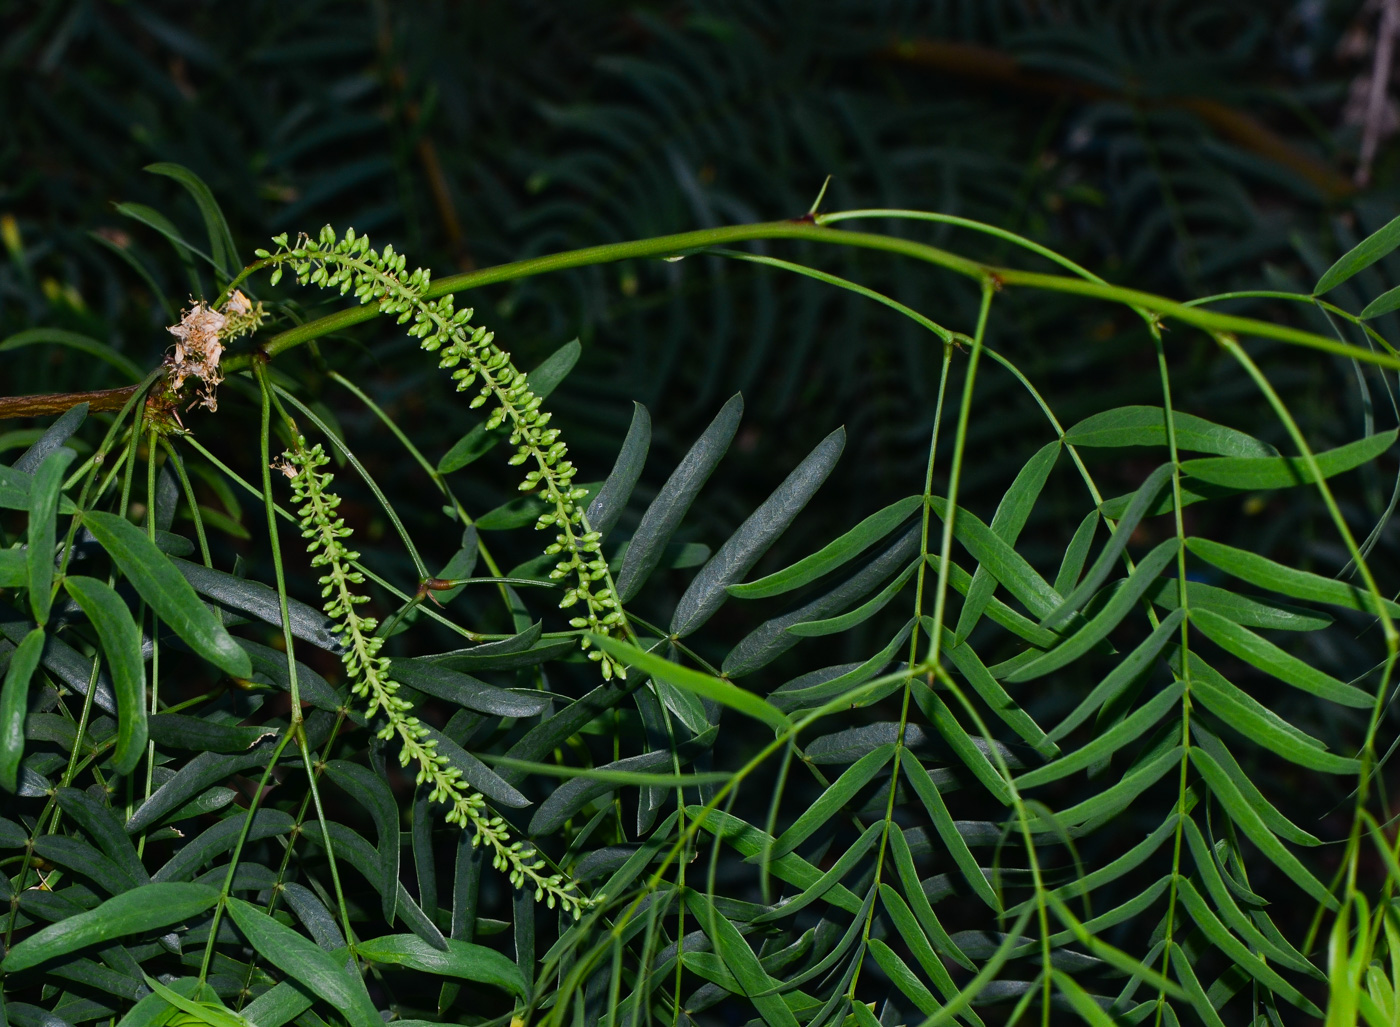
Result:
831,556
842,791
1274,820
14,568
715,689
1251,611
213,1013
1077,552
154,576
466,691
1100,569
753,538
221,247
43,523
132,912
54,436
1097,629
178,731
904,978
464,960
1003,563
1147,426
1285,472
671,504
1121,676
121,645
371,792
852,857
918,901
861,614
1263,654
1246,960
1013,510
307,963
972,669
928,792
1266,573
1127,730
1359,257
1382,304
1244,815
739,958
610,500
14,703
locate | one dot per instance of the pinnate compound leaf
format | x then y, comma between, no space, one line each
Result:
672,503
741,961
305,962
1147,426
1004,564
43,524
461,959
611,499
1266,573
754,537
726,693
1114,610
1013,510
1285,472
158,582
1249,821
14,703
1098,572
831,556
121,646
842,791
132,912
1360,257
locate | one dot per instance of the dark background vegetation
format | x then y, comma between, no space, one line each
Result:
1188,148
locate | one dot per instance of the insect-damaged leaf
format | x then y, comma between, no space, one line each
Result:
671,504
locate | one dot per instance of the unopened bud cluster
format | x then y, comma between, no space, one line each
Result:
347,263
325,533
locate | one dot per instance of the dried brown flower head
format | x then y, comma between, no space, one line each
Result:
198,351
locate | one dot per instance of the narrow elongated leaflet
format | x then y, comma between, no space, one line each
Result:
1266,573
14,703
843,789
671,504
1099,570
831,556
1360,257
1282,472
461,959
715,689
1003,562
741,961
121,645
755,536
221,246
610,500
1147,426
43,523
304,961
169,594
54,436
1013,510
132,912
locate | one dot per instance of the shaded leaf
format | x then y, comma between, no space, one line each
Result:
258,600
221,246
611,499
301,959
121,647
1359,257
466,691
43,523
14,703
672,502
132,912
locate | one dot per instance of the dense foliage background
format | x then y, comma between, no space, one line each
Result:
1186,148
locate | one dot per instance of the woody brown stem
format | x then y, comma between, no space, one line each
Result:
58,402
